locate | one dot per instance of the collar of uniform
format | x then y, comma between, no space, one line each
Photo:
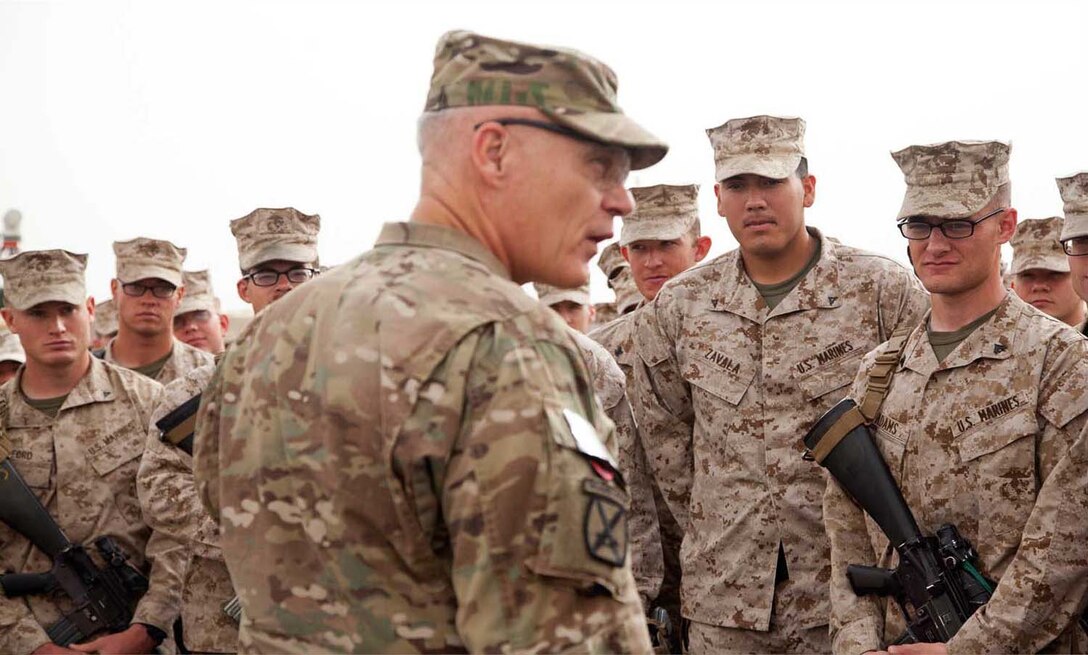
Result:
993,339
817,290
440,236
94,387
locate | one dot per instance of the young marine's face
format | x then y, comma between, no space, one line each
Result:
202,329
559,204
765,214
260,297
1078,275
955,266
53,334
146,315
576,315
1050,292
655,262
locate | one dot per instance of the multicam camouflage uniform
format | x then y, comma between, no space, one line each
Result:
476,533
990,439
185,536
81,464
724,390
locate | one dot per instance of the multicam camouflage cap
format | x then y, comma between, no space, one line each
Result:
198,293
571,88
267,234
1074,190
769,146
611,260
662,213
550,295
36,276
105,318
1036,245
11,349
143,258
954,179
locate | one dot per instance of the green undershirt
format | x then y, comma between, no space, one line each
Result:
153,369
48,406
774,293
944,343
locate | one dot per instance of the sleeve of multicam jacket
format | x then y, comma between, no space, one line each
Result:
661,400
1043,590
535,523
19,630
208,425
857,623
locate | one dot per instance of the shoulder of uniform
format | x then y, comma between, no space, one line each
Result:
613,329
127,379
192,354
864,258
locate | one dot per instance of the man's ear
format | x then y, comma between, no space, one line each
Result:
626,257
243,290
809,184
8,319
490,144
90,309
115,288
702,247
1008,225
224,323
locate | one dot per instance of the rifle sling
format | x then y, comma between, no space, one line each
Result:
181,431
880,376
846,423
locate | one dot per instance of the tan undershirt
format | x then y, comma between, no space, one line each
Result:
944,343
774,293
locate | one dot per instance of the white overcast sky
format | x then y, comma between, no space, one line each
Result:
124,119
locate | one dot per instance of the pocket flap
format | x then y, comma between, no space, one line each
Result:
34,473
826,380
992,438
115,448
725,378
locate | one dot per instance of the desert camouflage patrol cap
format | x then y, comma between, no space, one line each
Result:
662,212
198,293
955,179
1036,245
105,317
143,258
627,294
571,88
611,260
1074,190
267,234
11,349
36,276
550,295
769,146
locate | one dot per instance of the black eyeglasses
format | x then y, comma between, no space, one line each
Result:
1076,247
138,289
960,228
272,278
541,125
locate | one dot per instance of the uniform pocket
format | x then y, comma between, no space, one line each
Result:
115,457
36,474
823,381
1001,460
584,542
726,380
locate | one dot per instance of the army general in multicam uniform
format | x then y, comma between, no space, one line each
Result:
983,425
271,244
405,454
76,428
737,358
147,291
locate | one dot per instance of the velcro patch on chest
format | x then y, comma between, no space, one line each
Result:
987,413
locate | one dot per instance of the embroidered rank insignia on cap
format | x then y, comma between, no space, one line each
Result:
605,526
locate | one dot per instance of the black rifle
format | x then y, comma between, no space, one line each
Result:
104,598
937,584
178,426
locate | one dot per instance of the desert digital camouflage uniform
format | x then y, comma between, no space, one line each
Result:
420,379
81,464
143,258
618,272
267,234
980,440
105,318
662,213
1036,246
185,535
1074,192
724,390
199,295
